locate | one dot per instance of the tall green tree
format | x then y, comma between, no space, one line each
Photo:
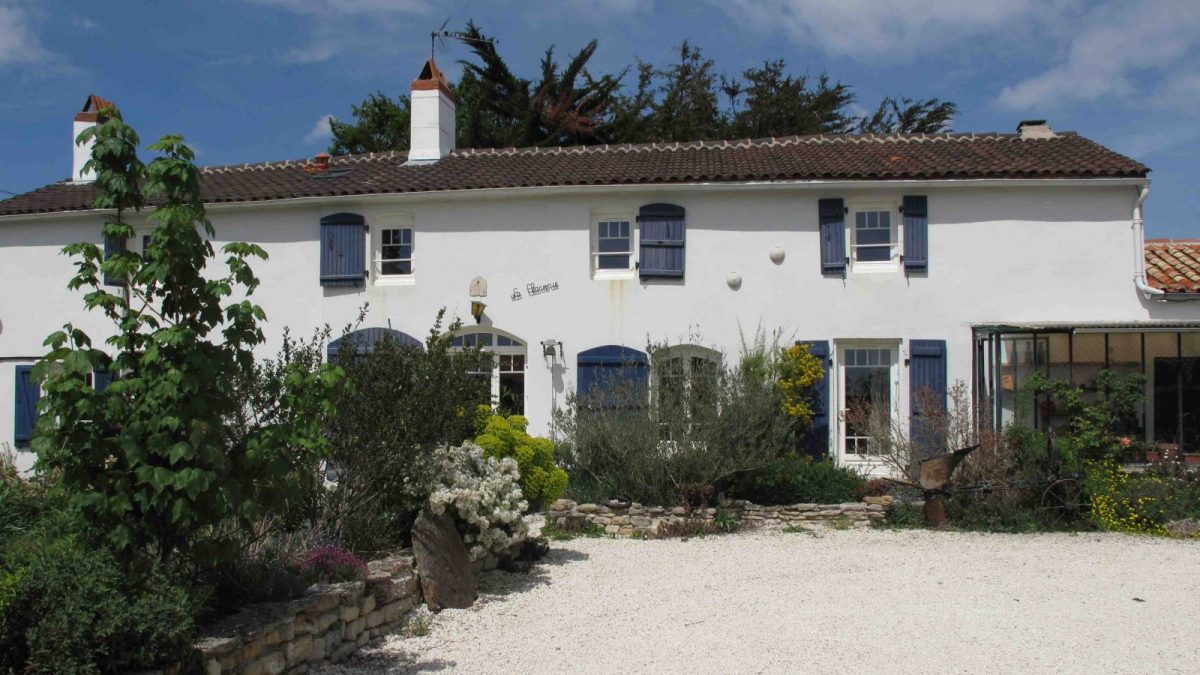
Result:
566,106
569,105
908,116
687,108
778,104
149,461
380,124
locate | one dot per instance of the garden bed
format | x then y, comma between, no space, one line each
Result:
324,626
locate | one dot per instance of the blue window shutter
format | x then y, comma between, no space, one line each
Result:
816,442
101,379
600,370
113,246
343,250
832,214
926,373
363,341
661,241
25,417
916,234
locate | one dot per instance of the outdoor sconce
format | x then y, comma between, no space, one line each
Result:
477,310
551,348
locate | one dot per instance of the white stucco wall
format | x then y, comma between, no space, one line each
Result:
1011,254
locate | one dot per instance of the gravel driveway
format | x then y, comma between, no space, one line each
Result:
842,601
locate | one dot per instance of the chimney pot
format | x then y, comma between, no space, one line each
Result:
1035,129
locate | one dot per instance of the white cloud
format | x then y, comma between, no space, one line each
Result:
320,133
897,30
83,24
1115,50
18,42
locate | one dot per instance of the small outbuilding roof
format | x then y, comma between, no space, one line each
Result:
1173,265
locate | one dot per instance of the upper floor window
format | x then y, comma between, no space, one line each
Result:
392,244
874,236
396,252
612,246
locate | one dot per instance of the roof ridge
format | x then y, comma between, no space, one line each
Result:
307,161
722,144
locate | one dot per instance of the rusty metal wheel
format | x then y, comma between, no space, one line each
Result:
1062,501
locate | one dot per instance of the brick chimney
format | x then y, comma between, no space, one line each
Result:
433,104
82,153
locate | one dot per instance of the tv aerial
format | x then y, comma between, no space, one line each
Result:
441,34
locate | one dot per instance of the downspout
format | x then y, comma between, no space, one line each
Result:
1139,241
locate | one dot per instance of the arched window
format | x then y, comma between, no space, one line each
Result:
363,341
605,374
507,377
685,385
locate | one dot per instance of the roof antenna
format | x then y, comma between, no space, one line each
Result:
441,34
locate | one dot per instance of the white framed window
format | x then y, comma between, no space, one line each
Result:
613,253
393,245
506,380
868,375
874,235
685,385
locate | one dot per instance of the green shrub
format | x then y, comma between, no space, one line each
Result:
400,405
1145,502
712,422
541,481
797,479
149,462
67,608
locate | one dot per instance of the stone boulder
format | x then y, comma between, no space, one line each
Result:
443,564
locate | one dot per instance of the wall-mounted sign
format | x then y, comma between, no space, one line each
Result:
534,289
478,288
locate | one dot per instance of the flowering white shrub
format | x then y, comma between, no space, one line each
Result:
484,496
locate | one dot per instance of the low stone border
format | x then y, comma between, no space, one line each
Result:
324,626
645,521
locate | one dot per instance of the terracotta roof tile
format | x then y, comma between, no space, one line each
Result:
1173,265
865,157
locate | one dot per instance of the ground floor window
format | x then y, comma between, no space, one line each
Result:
685,387
506,379
866,382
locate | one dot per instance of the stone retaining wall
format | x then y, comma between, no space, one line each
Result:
324,626
645,521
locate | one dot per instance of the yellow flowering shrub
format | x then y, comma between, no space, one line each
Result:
798,372
541,481
1142,502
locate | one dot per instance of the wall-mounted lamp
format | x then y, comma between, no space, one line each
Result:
551,348
477,310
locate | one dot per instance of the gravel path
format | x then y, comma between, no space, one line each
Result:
842,601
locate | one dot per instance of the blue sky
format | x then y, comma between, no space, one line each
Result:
255,80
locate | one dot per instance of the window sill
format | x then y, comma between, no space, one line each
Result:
889,267
406,280
614,275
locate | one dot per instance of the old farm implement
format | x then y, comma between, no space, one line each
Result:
1060,496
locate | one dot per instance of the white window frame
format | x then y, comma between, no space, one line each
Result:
891,205
598,217
839,393
392,221
684,352
496,350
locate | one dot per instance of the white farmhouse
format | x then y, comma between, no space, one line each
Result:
905,261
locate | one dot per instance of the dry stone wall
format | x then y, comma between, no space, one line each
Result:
636,520
324,626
